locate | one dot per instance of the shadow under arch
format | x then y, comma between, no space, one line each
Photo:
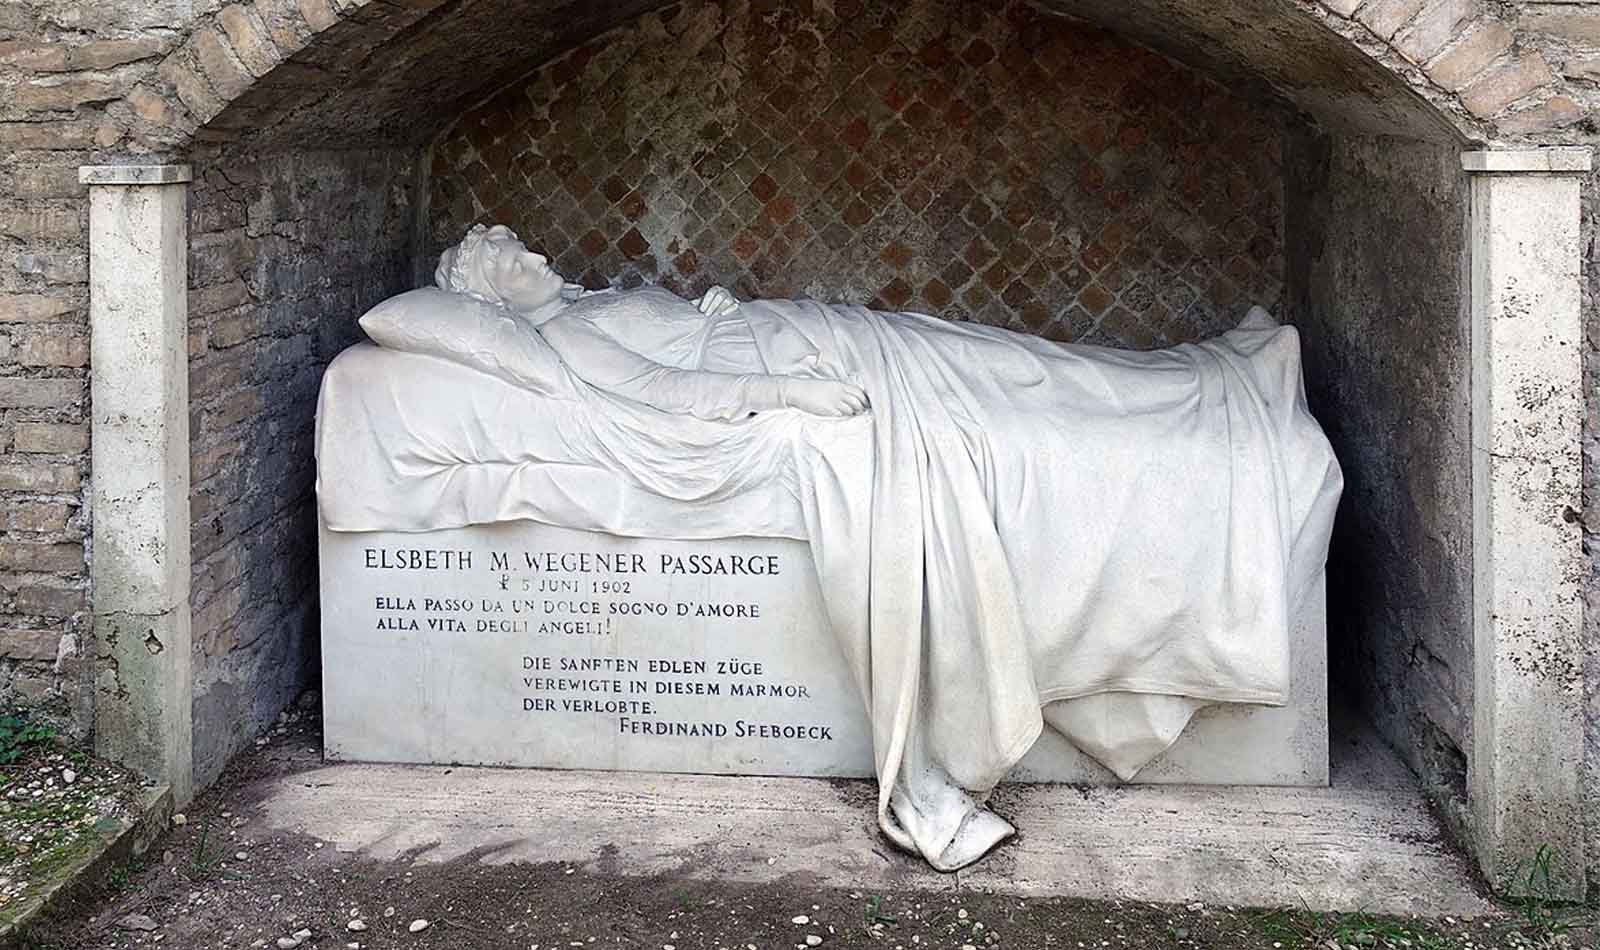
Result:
394,72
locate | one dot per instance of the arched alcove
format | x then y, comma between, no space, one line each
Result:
1134,175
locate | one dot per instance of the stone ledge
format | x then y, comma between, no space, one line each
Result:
1363,844
130,840
134,174
1574,160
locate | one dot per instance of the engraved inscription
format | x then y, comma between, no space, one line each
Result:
639,647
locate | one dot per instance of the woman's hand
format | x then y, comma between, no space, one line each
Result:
824,397
717,302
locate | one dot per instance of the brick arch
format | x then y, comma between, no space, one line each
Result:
339,72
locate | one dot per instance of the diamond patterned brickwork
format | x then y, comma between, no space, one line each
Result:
977,161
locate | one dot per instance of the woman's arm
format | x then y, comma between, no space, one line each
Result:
603,362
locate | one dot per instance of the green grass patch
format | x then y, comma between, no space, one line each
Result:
18,735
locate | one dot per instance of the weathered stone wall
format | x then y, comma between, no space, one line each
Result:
48,71
287,250
44,435
976,162
1376,285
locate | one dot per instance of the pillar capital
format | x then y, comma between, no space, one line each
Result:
134,174
1564,160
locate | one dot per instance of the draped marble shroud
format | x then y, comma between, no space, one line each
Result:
1017,530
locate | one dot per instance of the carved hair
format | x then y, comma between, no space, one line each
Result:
464,269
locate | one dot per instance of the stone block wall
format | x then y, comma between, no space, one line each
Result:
287,250
973,161
1387,339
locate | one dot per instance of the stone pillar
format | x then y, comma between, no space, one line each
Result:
1526,764
138,320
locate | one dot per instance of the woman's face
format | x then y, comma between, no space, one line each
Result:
520,277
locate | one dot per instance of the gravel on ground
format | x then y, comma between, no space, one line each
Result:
57,802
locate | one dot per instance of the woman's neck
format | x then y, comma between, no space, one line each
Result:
542,313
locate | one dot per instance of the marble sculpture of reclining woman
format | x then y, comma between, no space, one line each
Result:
1100,540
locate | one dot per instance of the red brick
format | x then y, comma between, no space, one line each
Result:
856,134
19,644
633,244
193,91
318,14
285,25
217,298
47,181
1437,24
218,63
39,393
220,372
33,475
36,308
40,557
106,54
36,516
1385,17
52,437
1577,23
53,602
214,620
1456,66
1583,67
763,187
150,106
54,350
896,294
1554,113
42,56
42,224
231,331
248,36
1490,93
1095,299
206,463
236,408
63,135
63,96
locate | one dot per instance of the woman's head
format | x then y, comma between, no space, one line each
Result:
492,264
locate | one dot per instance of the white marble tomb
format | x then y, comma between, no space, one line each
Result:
528,645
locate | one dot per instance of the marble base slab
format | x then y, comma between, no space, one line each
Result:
527,645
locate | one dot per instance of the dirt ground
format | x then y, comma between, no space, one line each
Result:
202,885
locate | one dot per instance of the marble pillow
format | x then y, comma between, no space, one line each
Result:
470,332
